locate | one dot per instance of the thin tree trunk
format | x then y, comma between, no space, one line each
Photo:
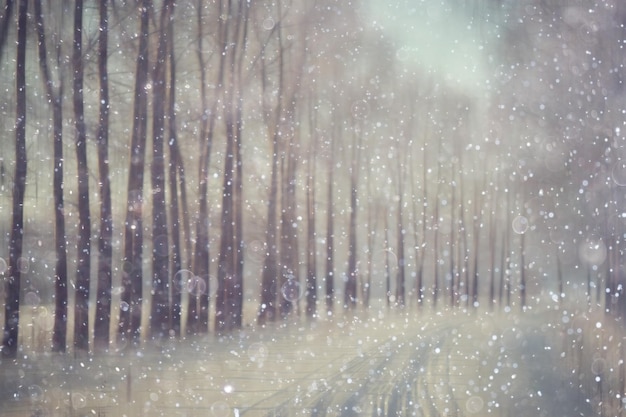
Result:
5,20
238,203
436,242
311,262
400,281
330,235
387,264
350,292
175,168
12,302
83,257
105,249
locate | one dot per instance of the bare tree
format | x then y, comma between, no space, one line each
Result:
83,263
6,13
159,314
105,249
132,279
12,303
55,98
198,310
350,292
311,251
176,171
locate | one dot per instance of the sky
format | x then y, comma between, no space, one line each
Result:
438,38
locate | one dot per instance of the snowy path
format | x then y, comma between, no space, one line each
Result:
437,366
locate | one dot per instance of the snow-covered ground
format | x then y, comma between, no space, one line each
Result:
388,363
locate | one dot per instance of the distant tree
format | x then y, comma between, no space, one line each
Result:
105,249
350,291
311,251
55,98
160,307
6,14
12,303
400,232
132,279
330,231
176,172
83,257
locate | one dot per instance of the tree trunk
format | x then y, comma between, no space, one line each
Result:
159,316
83,257
330,235
12,302
198,310
105,250
5,20
350,292
175,168
132,278
59,334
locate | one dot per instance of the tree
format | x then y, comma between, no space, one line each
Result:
12,304
132,278
105,250
176,171
159,315
330,233
311,251
5,20
83,263
198,310
350,291
55,98
229,298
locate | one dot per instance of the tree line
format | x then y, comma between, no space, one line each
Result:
288,146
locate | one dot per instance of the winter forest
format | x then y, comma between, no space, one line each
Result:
172,169
306,158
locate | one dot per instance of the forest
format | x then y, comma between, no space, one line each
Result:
177,168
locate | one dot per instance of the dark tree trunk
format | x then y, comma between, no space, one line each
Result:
59,334
198,310
229,297
12,302
267,310
105,250
83,257
160,306
132,278
288,275
226,259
